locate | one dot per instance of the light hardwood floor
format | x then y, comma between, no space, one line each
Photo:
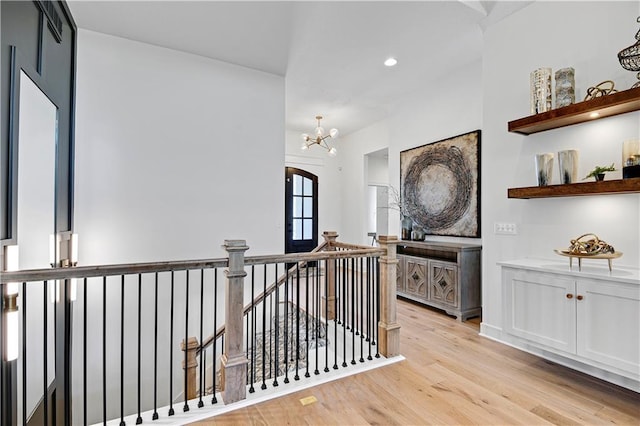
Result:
451,376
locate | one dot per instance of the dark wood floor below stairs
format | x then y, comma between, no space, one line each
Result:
451,376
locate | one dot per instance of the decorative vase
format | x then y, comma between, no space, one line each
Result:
544,168
565,87
417,233
599,177
568,164
540,95
407,225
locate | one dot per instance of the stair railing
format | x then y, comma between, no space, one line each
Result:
128,320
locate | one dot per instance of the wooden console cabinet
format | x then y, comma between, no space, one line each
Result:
443,275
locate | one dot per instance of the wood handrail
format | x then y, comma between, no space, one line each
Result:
30,275
339,244
311,256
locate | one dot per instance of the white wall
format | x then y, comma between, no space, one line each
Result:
174,154
316,160
438,110
354,176
556,35
378,170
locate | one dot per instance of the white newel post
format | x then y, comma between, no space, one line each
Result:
388,327
234,361
329,299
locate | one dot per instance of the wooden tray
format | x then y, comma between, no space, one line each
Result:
608,256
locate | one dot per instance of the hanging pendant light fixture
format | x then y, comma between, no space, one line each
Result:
320,138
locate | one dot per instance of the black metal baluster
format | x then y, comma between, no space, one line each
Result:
377,284
84,354
326,314
247,355
316,313
369,306
264,329
345,304
45,395
297,377
204,361
306,323
353,310
104,350
171,410
200,403
339,295
252,389
277,323
356,325
214,398
185,408
336,308
345,319
286,325
139,419
122,422
270,332
361,326
24,355
155,351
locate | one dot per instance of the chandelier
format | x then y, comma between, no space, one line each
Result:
320,138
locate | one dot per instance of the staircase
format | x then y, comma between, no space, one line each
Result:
264,354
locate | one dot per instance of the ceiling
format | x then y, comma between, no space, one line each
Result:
331,53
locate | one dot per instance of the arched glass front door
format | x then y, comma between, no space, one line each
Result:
301,210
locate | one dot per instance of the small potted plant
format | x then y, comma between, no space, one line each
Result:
598,172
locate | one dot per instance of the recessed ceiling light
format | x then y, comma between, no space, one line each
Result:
391,62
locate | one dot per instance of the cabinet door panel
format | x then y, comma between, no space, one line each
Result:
536,308
609,324
443,283
416,277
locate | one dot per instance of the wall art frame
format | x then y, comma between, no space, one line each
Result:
440,185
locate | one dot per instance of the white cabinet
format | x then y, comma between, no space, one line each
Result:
586,322
608,318
537,308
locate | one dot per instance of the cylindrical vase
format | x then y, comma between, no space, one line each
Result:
568,164
565,87
544,168
540,81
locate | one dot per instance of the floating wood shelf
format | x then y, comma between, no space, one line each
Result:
620,186
604,106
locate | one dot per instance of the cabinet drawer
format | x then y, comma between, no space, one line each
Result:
443,283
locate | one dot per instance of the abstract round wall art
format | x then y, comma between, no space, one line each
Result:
440,185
